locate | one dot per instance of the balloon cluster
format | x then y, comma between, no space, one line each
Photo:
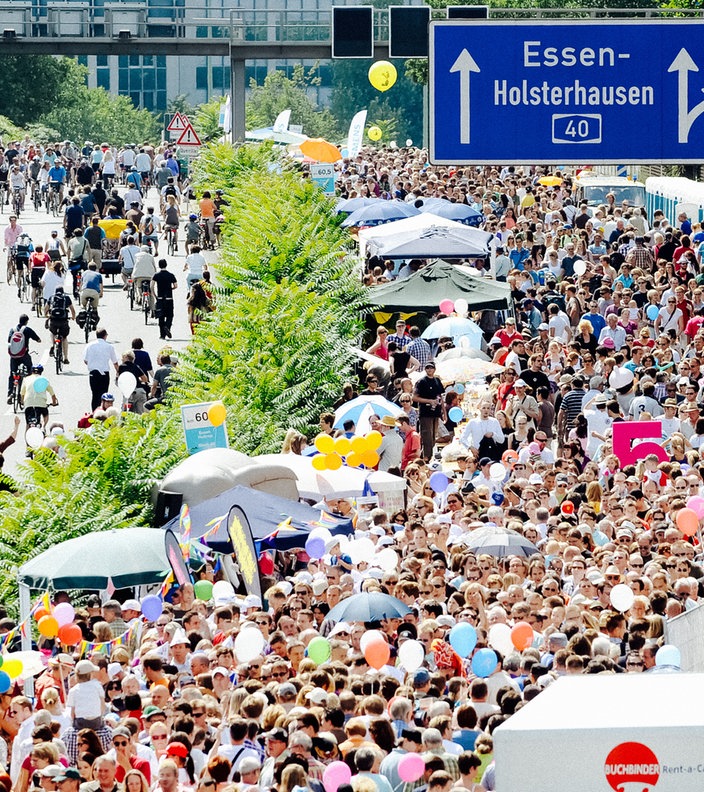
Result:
382,75
10,669
58,622
460,306
357,452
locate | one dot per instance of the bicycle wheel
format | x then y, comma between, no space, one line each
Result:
87,327
10,270
170,244
58,355
37,198
131,295
38,304
16,392
145,307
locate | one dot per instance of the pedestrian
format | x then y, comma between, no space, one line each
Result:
164,284
99,357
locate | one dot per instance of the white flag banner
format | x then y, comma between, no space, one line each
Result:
356,134
227,120
282,119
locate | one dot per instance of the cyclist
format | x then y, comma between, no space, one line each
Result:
4,176
207,215
170,189
144,270
192,229
35,167
91,286
78,256
127,258
57,310
143,163
18,349
150,229
18,182
35,398
38,262
95,236
84,173
195,265
23,250
12,234
74,217
43,179
219,200
134,180
55,246
57,177
171,218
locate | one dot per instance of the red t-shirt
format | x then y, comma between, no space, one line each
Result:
137,764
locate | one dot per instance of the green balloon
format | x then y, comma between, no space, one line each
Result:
203,590
319,650
2,660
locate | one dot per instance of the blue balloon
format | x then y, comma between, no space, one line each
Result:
652,312
458,388
5,682
455,414
152,607
315,547
40,384
463,639
484,662
439,481
668,655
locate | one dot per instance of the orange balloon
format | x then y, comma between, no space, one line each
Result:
343,446
359,445
320,462
374,439
40,613
377,653
48,627
370,458
354,459
334,461
522,635
687,521
70,634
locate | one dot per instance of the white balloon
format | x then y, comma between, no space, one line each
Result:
409,142
127,382
500,639
622,597
461,306
248,645
369,636
34,437
223,590
411,655
497,472
361,550
321,533
387,559
580,267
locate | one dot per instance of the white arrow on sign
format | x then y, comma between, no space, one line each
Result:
683,64
464,64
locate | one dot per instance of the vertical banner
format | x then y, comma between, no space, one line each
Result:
226,116
175,558
356,134
240,533
282,119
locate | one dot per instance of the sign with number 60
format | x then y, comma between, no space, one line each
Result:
625,432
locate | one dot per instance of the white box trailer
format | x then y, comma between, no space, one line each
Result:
606,733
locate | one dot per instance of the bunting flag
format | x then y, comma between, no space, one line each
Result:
108,646
284,525
324,521
166,585
214,527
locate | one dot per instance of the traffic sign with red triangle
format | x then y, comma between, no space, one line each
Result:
177,123
189,137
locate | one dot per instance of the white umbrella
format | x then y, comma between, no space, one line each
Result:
455,327
362,408
461,352
462,369
33,663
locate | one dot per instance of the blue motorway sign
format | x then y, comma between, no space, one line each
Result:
577,91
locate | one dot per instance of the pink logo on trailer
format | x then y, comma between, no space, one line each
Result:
632,767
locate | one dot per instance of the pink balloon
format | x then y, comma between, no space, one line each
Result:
411,767
64,613
447,306
696,504
687,521
336,774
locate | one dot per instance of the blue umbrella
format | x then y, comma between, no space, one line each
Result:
455,327
349,205
461,213
380,212
368,607
353,410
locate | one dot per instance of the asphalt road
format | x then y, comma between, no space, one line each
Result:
71,386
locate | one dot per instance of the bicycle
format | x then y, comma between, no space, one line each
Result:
11,264
17,200
53,200
131,295
91,321
36,196
17,379
38,302
171,240
23,284
146,301
58,352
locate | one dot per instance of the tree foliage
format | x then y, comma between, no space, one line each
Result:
207,119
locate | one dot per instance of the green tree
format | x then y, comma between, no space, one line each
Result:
180,104
33,84
207,119
95,114
280,92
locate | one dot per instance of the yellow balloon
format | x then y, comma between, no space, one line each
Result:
334,461
374,439
382,75
354,459
217,414
324,443
320,462
343,446
13,668
359,444
374,133
370,458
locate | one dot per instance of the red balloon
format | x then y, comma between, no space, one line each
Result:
40,613
522,635
567,507
687,521
377,653
70,634
266,564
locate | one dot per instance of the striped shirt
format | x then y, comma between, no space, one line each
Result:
420,350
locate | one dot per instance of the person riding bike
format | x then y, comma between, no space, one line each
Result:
57,178
35,167
23,250
192,230
35,392
18,349
11,235
57,311
18,182
38,262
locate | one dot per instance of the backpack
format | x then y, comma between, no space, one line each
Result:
17,345
148,226
58,307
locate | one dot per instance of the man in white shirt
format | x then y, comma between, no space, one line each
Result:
559,325
484,426
21,709
98,357
613,331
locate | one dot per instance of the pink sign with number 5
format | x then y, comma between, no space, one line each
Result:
625,432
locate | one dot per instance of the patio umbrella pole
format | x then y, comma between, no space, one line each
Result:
25,607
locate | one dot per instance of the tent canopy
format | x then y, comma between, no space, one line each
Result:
265,513
127,557
427,288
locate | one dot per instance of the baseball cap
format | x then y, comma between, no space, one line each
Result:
278,734
86,667
485,461
317,696
151,711
52,771
222,671
421,677
131,604
248,764
287,690
543,326
520,383
68,773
